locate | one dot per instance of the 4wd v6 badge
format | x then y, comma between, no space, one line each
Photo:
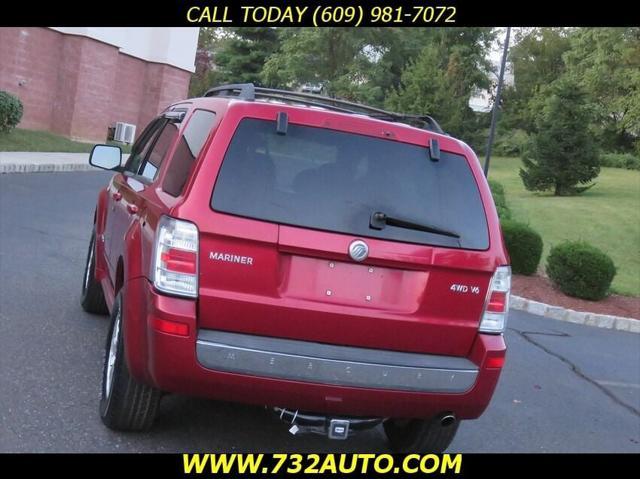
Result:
463,288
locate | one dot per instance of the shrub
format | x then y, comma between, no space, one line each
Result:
620,160
524,246
581,270
497,191
10,111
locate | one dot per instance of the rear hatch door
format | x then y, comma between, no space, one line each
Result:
275,253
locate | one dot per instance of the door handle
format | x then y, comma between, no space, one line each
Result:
116,196
132,209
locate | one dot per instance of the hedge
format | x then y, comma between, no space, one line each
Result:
620,160
524,245
497,191
581,270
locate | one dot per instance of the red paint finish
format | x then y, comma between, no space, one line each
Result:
294,283
172,366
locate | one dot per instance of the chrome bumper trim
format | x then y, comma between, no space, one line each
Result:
336,365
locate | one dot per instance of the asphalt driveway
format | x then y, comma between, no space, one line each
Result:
565,387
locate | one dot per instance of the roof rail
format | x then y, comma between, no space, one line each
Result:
249,92
246,91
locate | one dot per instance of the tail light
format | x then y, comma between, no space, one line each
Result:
175,258
495,313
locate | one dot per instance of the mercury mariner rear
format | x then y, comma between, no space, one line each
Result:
341,266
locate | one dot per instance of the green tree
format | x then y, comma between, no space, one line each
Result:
562,155
338,58
397,48
537,60
360,64
442,78
241,53
393,49
606,64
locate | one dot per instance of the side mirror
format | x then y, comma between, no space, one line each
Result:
107,157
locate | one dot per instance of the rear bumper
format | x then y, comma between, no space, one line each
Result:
332,380
335,365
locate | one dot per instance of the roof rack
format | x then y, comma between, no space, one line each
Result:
249,92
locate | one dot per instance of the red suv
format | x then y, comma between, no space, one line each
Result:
341,264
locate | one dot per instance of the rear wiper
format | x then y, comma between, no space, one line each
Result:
379,220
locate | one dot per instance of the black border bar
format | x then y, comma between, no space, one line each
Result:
174,12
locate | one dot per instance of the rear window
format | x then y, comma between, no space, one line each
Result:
334,181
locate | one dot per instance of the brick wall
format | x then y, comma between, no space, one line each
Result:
78,87
31,57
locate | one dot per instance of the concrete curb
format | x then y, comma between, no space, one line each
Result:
605,321
45,162
44,167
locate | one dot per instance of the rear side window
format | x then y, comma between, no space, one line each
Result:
142,145
158,151
334,181
191,142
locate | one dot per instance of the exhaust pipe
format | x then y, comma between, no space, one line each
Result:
447,420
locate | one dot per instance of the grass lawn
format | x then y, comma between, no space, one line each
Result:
34,140
607,216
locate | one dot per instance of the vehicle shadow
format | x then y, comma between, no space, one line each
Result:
204,425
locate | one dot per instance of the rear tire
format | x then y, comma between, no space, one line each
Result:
419,435
92,299
126,404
